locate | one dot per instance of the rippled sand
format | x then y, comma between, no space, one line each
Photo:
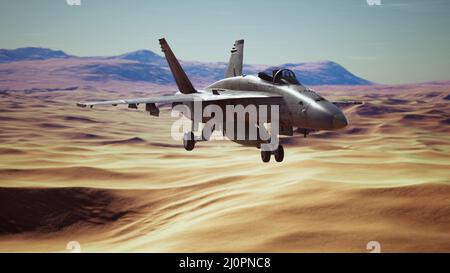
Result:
114,180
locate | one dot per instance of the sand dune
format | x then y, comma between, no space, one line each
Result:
114,180
52,210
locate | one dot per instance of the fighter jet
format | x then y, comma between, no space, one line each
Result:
299,107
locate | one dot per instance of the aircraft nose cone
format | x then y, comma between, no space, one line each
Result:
339,121
324,115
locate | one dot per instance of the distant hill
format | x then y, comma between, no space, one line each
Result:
142,56
149,67
29,54
327,72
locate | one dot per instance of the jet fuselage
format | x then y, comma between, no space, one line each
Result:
301,107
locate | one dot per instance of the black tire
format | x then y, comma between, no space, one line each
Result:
279,154
265,156
189,141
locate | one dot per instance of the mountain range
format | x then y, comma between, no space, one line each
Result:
34,63
30,54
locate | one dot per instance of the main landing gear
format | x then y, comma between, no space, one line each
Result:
278,154
189,141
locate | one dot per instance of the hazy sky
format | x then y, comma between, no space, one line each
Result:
398,41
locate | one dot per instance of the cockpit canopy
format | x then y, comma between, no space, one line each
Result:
280,76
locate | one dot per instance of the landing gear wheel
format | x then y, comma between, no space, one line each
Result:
189,141
265,156
279,154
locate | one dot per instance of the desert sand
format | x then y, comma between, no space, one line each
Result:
114,180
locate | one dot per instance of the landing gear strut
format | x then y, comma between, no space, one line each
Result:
278,154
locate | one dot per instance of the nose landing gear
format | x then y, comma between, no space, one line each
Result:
278,154
265,156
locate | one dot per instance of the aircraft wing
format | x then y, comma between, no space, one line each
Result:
345,103
222,95
135,101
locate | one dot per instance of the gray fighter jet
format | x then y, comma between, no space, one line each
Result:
299,107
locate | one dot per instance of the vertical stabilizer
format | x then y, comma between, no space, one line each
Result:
236,60
184,84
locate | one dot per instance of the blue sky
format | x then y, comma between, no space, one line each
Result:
396,42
